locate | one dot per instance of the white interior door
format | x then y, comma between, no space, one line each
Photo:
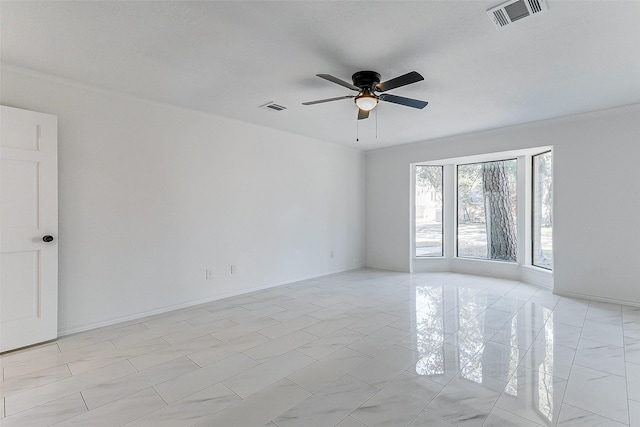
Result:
28,214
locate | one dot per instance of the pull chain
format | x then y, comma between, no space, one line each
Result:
357,130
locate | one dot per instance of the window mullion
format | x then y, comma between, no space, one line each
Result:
449,211
524,209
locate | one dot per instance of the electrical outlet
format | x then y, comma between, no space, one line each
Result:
234,269
208,273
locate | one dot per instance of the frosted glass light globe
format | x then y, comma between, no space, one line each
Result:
366,101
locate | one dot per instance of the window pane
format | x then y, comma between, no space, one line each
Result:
487,210
428,211
543,210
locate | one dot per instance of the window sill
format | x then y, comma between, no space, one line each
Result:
499,269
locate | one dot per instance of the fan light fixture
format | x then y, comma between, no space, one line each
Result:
366,101
367,85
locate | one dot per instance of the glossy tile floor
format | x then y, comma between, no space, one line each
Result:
363,348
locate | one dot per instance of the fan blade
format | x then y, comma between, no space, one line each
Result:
415,103
362,114
338,81
320,101
403,80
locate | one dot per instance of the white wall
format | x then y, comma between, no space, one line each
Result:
152,195
596,197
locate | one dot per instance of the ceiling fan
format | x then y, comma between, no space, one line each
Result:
367,83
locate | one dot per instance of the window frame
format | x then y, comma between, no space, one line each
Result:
442,209
533,222
522,268
457,198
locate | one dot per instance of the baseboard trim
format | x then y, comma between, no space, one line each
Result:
486,268
386,268
70,331
537,276
596,298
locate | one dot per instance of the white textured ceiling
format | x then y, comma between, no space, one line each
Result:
227,58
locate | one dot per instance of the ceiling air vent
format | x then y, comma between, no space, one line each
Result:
513,10
272,106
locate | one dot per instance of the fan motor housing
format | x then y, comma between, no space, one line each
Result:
366,79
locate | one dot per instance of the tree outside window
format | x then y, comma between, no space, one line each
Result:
487,210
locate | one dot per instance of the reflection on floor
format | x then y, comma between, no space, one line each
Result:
363,348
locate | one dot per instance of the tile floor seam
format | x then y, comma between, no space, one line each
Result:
418,414
363,354
245,354
572,361
237,395
131,364
436,416
498,398
600,370
626,380
518,415
188,357
159,395
242,399
299,385
604,343
84,401
440,392
143,415
598,414
256,391
380,391
89,370
68,370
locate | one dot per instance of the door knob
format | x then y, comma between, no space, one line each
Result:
48,238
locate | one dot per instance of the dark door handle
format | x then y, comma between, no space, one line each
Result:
48,238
